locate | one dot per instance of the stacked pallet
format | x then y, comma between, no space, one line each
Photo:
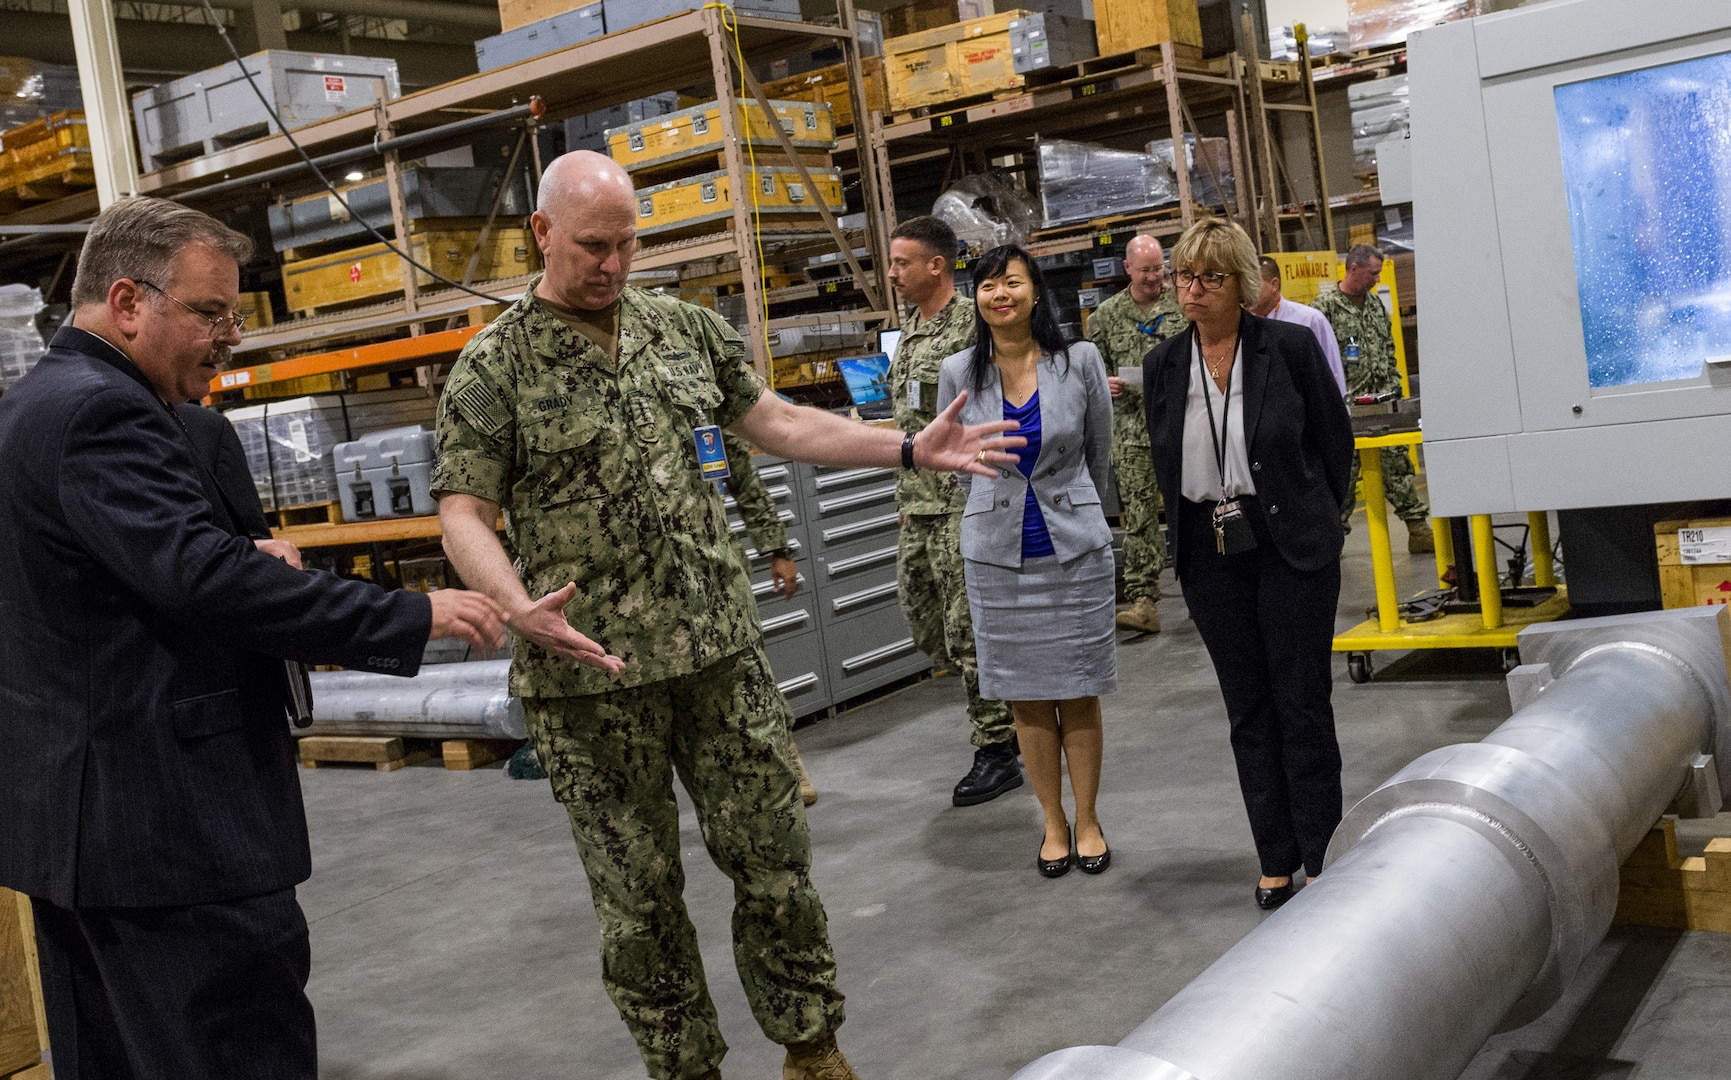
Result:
679,167
45,159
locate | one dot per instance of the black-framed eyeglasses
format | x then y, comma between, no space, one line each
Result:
1210,280
220,325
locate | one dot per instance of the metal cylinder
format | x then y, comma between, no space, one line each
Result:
1463,894
443,701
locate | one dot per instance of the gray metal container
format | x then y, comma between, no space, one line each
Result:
622,14
427,193
213,110
386,474
544,36
1045,41
588,131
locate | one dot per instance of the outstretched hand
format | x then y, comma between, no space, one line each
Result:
948,445
469,616
543,622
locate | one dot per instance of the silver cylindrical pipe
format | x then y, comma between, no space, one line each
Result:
1462,895
443,701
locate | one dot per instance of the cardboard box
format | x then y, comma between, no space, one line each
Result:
830,86
374,271
696,132
1123,26
708,199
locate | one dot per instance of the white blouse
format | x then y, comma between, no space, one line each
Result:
1201,479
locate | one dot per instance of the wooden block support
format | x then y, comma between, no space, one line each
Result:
23,1020
462,755
384,753
1656,888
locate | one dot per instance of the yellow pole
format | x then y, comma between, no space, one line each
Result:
1381,556
1485,559
1444,538
1539,536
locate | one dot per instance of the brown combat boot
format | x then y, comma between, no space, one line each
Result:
1419,540
817,1060
807,792
1141,616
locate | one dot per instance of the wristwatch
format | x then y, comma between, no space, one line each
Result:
908,452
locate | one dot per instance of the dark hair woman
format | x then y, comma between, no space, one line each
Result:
1037,553
1253,449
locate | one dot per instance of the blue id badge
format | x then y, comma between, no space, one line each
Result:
711,454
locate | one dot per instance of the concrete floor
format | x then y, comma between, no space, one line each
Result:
453,937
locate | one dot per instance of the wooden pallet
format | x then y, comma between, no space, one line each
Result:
961,104
1657,888
388,753
286,517
45,182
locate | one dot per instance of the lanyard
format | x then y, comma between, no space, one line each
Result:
1225,409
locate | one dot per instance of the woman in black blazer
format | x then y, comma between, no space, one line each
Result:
1253,450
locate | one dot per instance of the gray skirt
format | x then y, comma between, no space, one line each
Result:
1045,632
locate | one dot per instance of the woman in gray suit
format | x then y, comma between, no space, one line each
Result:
1036,549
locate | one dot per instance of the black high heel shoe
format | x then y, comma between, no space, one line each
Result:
1269,899
1052,867
1095,864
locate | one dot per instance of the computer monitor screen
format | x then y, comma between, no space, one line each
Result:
887,340
1645,160
868,383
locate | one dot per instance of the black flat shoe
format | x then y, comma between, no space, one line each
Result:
1094,864
1051,867
1269,899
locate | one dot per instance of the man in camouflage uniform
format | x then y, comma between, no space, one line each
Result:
1360,320
581,412
768,537
1124,328
929,555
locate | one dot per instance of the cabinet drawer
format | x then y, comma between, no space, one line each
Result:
866,652
786,501
867,589
797,662
823,481
842,565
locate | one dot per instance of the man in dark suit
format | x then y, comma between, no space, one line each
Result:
149,802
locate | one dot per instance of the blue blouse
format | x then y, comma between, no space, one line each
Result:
1036,541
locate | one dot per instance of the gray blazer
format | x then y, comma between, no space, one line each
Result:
1075,452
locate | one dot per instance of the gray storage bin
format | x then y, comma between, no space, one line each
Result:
1039,42
544,36
288,444
213,110
589,130
386,474
623,14
427,193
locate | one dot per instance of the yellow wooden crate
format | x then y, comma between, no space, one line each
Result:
941,65
958,31
830,86
696,132
53,147
365,273
1123,26
1689,585
693,201
256,307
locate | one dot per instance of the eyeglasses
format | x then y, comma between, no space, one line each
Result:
1210,281
220,325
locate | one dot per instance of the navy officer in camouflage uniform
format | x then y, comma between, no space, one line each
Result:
1126,328
1358,318
580,412
929,547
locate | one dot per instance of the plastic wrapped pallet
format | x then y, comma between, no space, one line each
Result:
986,211
1379,113
1080,181
30,90
20,343
1372,24
288,444
1209,160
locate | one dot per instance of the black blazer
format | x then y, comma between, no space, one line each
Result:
217,446
145,759
1296,430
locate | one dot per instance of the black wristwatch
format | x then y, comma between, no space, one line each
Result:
908,452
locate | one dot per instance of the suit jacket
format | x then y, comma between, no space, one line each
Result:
144,755
215,443
1068,477
1296,431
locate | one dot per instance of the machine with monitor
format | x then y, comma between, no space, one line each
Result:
1572,197
868,384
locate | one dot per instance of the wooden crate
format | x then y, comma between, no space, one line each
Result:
704,200
938,66
1690,585
256,306
830,86
929,14
696,132
46,158
23,1022
1126,25
371,272
515,13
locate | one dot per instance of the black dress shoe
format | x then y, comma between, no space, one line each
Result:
995,771
1052,867
1269,899
1094,864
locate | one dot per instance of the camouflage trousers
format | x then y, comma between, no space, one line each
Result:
935,600
1139,497
611,759
1397,484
